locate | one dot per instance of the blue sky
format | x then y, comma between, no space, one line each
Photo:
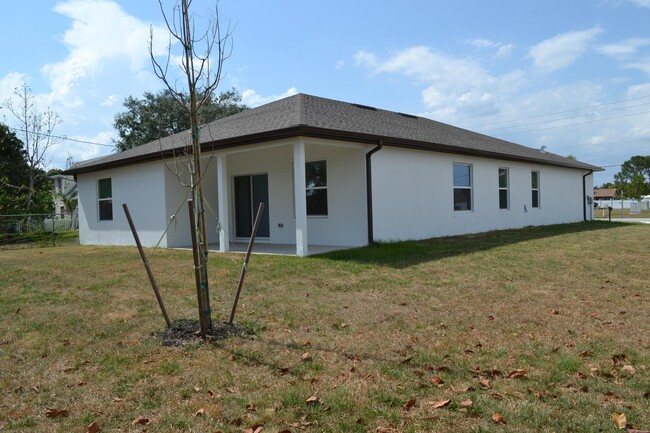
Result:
573,76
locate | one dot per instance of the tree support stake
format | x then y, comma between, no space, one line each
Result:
146,265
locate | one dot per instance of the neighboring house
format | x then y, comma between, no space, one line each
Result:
64,188
331,173
606,194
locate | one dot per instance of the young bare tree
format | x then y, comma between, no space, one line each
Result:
201,63
35,129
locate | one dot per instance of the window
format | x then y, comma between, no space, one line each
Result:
534,183
316,184
105,199
503,188
462,187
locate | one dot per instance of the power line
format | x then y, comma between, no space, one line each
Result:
580,123
565,111
576,116
60,137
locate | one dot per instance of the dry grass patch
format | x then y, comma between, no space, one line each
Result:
545,326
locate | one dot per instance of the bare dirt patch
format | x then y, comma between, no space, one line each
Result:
186,331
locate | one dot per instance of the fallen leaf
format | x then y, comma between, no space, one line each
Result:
117,400
56,413
93,428
466,403
409,404
141,420
628,369
439,404
199,412
197,389
619,420
517,374
555,312
621,357
305,357
437,381
496,417
485,383
406,360
35,388
313,399
251,407
496,396
231,390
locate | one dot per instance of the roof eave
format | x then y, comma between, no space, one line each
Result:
315,132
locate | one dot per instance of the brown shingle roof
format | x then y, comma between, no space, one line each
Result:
605,193
312,116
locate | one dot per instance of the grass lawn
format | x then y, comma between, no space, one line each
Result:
547,327
620,213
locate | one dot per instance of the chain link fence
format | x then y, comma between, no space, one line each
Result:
39,229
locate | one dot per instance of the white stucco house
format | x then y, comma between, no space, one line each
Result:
331,173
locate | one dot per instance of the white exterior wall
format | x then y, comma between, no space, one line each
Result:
176,196
141,187
345,224
413,195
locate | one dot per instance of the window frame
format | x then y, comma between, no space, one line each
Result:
309,188
535,189
469,187
505,188
102,200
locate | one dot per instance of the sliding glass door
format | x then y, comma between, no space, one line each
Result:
250,191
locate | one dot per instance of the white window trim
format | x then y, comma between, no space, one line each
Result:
99,200
506,189
470,187
538,189
317,187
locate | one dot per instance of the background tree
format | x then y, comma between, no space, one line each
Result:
14,179
13,170
34,129
637,188
159,115
634,177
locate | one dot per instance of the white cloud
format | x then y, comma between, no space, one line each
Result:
109,101
363,58
251,98
452,85
641,3
504,51
101,32
340,64
625,48
82,151
483,43
501,51
562,50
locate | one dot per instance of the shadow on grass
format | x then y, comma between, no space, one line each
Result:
403,254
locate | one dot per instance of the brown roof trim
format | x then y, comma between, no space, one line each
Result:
314,132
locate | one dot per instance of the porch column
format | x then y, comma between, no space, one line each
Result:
301,198
222,193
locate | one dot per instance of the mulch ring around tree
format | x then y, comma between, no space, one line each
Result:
185,331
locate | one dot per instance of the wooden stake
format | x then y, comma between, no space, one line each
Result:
248,256
146,265
197,272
